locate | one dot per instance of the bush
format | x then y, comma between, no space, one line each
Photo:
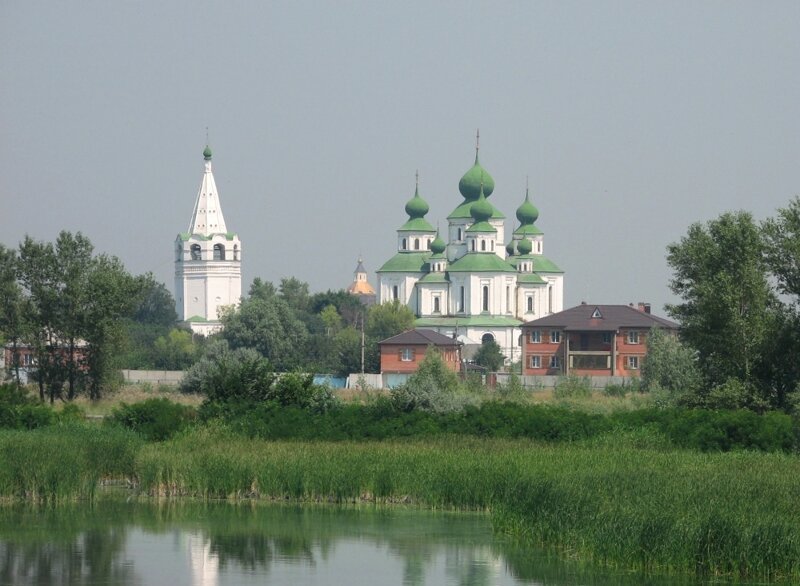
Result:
154,419
18,410
434,387
572,387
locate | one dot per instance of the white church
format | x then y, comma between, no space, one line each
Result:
208,261
474,286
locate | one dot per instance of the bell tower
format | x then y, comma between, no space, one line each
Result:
208,261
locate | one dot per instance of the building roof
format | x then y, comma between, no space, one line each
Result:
421,336
406,262
207,216
477,321
601,318
480,262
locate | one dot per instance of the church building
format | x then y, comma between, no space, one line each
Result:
208,261
475,286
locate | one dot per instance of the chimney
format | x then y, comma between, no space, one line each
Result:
644,307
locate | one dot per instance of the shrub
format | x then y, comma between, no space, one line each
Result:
434,387
154,419
238,375
19,410
571,387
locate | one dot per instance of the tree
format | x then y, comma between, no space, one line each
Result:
671,367
268,326
388,319
782,249
490,356
11,306
728,309
175,350
433,387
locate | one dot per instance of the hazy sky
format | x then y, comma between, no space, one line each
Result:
632,120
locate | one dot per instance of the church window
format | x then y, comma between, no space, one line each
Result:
395,292
486,338
550,299
483,245
219,252
416,243
235,252
437,305
195,252
461,299
404,245
492,243
460,234
473,245
485,298
508,298
529,302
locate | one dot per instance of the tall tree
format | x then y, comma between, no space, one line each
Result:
727,310
11,306
388,319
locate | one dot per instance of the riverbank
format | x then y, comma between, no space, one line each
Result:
628,500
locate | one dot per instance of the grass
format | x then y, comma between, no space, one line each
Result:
628,500
134,393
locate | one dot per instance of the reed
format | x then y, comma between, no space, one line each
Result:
627,504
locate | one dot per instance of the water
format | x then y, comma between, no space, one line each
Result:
177,543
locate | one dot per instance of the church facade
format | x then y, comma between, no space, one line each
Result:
474,286
208,261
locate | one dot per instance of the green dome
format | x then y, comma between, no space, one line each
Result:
416,206
481,210
470,184
527,213
510,248
438,246
524,246
207,153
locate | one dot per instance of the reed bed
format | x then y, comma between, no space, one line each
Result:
629,500
618,503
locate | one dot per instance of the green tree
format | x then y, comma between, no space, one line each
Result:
388,319
782,249
11,306
295,293
670,367
270,327
490,356
174,351
433,387
727,312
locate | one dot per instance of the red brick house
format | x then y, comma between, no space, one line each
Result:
401,354
590,340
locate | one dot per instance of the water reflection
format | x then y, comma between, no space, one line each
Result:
186,543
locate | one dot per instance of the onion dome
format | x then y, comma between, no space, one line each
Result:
524,246
438,246
481,210
416,206
510,248
470,183
527,213
207,153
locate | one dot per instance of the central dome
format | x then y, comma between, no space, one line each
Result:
470,183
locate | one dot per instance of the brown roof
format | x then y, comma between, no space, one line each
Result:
612,317
423,337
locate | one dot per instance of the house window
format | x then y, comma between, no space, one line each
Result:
555,337
606,337
633,362
529,304
485,298
633,337
406,354
555,362
536,362
437,305
395,292
27,359
535,337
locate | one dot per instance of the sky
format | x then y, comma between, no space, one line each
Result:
629,120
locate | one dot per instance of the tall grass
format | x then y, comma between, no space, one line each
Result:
653,509
63,462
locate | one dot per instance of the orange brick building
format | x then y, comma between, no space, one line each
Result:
401,354
590,340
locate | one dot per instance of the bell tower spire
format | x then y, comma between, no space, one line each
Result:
208,271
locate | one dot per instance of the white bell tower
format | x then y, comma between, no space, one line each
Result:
208,261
